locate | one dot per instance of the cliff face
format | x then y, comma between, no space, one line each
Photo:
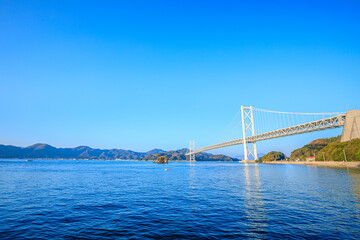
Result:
312,148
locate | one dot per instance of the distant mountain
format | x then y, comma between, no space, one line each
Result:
180,155
155,151
41,150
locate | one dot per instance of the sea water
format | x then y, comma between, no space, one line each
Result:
63,199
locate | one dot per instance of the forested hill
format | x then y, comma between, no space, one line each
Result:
329,149
312,148
82,152
180,155
44,151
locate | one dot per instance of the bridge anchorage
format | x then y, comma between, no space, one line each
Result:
274,124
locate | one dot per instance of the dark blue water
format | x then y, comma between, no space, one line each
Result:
48,199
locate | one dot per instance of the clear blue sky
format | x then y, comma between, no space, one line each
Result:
144,74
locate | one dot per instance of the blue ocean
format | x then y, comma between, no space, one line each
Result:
64,199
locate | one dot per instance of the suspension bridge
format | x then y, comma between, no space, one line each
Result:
269,124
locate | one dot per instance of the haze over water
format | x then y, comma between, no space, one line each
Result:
61,199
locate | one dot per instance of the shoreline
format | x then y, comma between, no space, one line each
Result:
115,160
322,164
319,163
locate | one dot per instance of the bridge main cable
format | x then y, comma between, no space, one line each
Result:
326,123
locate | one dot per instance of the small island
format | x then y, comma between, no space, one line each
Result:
161,159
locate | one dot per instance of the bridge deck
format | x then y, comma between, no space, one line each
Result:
326,123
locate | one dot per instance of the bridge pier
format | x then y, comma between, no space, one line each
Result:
351,128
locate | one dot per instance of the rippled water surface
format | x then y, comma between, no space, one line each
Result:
58,199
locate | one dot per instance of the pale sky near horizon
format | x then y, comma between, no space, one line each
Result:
140,75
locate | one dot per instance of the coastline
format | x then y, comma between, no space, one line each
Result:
322,164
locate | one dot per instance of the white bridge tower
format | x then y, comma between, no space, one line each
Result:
248,129
192,149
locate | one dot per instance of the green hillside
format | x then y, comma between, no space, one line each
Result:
328,149
312,148
335,151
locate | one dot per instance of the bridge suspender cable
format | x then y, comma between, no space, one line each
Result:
272,124
228,126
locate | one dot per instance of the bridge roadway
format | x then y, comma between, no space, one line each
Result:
325,123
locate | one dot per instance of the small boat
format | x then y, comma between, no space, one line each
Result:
28,160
